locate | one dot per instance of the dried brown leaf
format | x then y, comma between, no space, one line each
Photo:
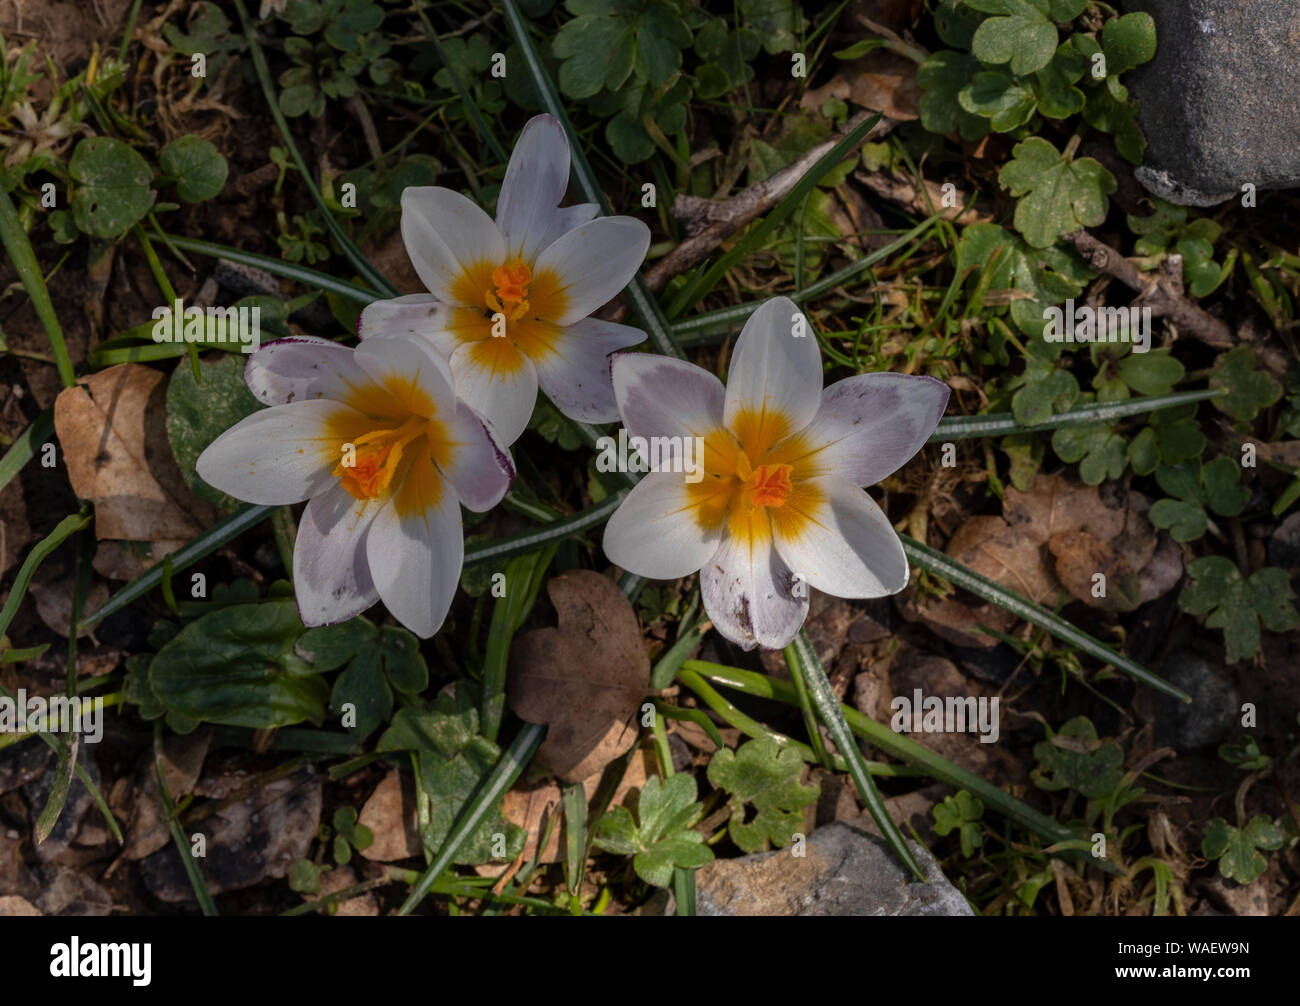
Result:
585,679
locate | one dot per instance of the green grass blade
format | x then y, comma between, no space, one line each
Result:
997,424
802,659
20,252
192,871
277,267
933,561
67,527
512,762
639,297
25,447
699,328
247,516
693,292
531,541
523,579
350,250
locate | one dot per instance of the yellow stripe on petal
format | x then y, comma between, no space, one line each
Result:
497,357
546,296
758,431
420,490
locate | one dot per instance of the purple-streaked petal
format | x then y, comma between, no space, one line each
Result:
661,397
415,548
656,532
574,371
331,575
871,425
417,314
283,454
774,385
499,383
298,368
842,544
445,234
535,181
747,591
594,262
479,468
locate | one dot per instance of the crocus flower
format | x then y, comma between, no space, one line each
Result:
376,441
508,301
780,507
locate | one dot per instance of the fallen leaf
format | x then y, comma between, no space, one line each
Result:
1057,536
390,815
112,427
585,679
882,81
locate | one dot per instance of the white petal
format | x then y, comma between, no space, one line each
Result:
411,368
871,425
297,368
661,397
594,262
535,181
844,545
654,532
480,469
416,314
747,593
567,218
775,378
503,395
416,547
445,233
331,575
574,373
280,455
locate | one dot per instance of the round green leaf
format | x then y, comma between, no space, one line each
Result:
199,413
198,167
113,189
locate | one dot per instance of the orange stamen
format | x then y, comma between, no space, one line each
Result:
367,470
509,296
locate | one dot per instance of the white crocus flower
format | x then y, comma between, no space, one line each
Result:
377,442
780,507
508,301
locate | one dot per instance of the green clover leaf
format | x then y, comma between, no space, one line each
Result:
943,77
1238,605
662,839
961,812
1237,849
1057,196
1078,762
1249,390
765,775
1128,41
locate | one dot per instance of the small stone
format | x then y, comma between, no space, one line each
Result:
1212,712
1228,895
69,892
12,905
1220,102
843,871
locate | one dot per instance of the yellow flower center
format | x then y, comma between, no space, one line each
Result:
509,294
766,485
371,460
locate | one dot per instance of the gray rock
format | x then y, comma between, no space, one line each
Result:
1221,100
1214,708
844,871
